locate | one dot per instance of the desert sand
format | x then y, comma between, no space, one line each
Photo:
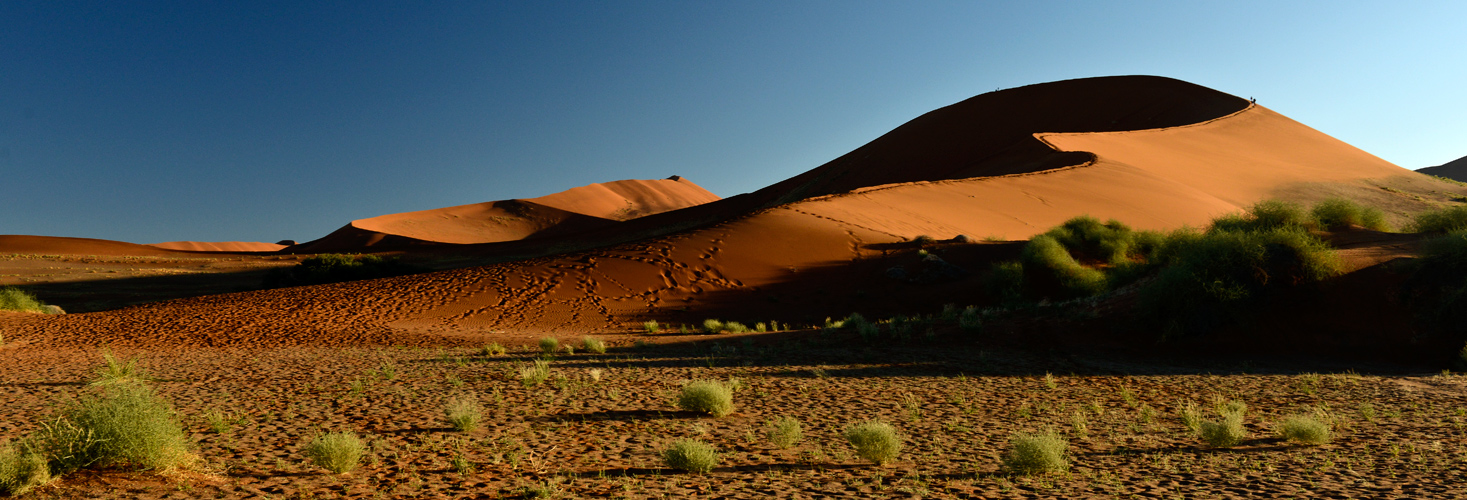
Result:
219,246
602,259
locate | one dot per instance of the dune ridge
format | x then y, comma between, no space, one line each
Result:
218,246
1455,170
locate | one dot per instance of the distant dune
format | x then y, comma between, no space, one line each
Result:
1154,152
56,245
568,212
218,246
1455,170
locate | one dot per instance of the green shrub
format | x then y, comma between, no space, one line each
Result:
1005,283
651,326
549,345
15,299
971,320
1437,285
535,373
337,452
463,413
712,326
1217,278
1339,213
494,349
1191,417
735,327
706,396
1304,429
1087,237
1227,432
114,371
1441,221
335,268
874,440
1051,267
690,455
1267,215
785,432
593,344
1037,453
21,470
124,425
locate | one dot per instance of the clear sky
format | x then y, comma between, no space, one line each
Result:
261,121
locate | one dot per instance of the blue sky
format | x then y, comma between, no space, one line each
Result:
260,121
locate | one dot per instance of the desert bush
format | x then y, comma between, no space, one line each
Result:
549,345
1339,213
1108,242
706,396
463,413
1227,432
651,326
690,455
593,344
874,440
761,327
337,452
1304,429
1191,417
970,320
1441,221
1037,453
1046,261
535,373
1217,277
1267,215
21,470
712,326
335,268
115,371
124,425
1437,285
1004,282
785,432
494,349
735,327
15,299
923,239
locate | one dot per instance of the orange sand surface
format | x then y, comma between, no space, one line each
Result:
218,246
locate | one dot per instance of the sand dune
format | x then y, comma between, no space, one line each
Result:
1153,152
218,246
568,212
1455,170
57,245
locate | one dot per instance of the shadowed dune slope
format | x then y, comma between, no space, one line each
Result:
1206,153
218,246
1455,170
565,213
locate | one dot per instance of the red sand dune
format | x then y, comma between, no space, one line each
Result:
1153,152
218,246
568,212
57,245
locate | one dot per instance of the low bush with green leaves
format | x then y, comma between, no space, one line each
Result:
593,345
706,396
535,373
1338,213
338,452
494,349
1228,431
874,440
1304,429
463,412
712,326
1440,221
549,345
690,455
651,326
119,371
1267,215
335,268
785,432
21,470
1437,285
15,299
123,425
1037,453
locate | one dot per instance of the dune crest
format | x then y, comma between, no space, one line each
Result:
218,246
1455,170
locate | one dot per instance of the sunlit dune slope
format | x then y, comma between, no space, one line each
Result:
218,246
56,245
568,212
1195,153
1455,170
